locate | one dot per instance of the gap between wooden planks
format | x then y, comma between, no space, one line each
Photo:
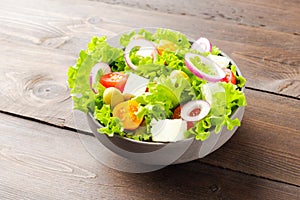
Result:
43,162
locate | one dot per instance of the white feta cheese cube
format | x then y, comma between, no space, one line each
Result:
168,130
222,61
135,85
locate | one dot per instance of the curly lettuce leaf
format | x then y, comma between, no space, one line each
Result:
111,125
78,75
163,65
140,134
151,71
179,39
157,107
164,95
215,51
224,104
152,106
173,61
240,80
201,130
179,88
142,33
234,98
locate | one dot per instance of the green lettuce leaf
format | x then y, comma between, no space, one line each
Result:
111,125
224,104
142,33
151,71
164,95
201,130
240,80
163,65
78,75
179,39
215,51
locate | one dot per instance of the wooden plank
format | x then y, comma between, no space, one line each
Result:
280,4
269,77
267,14
52,29
268,142
33,83
267,69
85,12
43,162
180,5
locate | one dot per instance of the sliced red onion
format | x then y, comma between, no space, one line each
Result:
191,106
219,73
144,45
202,45
93,74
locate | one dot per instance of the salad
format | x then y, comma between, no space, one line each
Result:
157,87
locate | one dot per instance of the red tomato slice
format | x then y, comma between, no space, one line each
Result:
125,111
114,79
229,76
177,115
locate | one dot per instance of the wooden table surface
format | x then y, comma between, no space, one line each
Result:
41,155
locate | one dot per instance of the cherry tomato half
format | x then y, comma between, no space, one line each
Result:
176,113
125,111
114,79
229,76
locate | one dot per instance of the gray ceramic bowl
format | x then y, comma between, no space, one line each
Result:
156,153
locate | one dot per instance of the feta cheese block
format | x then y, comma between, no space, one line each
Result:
222,61
135,85
168,130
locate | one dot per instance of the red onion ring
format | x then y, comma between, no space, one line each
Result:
208,62
192,105
144,45
202,45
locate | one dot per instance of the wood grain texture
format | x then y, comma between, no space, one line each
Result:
267,144
43,162
41,28
246,13
279,4
263,146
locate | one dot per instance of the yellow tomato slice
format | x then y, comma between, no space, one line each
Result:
165,45
126,112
